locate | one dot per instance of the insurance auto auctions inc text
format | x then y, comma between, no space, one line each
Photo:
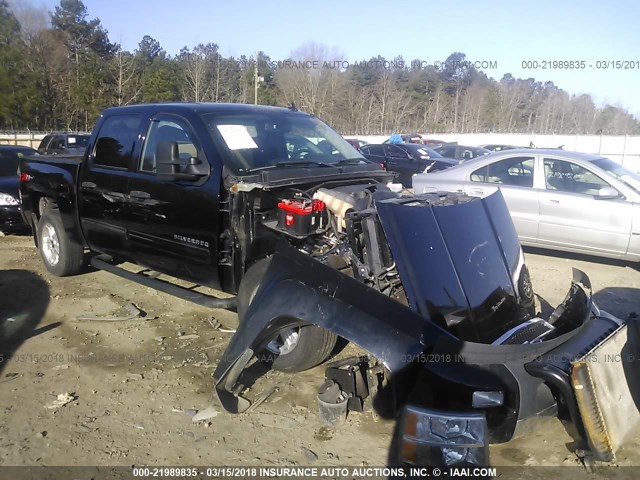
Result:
349,472
376,64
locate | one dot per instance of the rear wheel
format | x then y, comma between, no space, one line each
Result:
292,349
61,255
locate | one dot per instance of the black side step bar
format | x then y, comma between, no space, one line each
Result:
102,262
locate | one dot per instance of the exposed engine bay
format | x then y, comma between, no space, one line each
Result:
340,227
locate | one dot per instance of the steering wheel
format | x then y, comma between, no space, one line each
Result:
301,153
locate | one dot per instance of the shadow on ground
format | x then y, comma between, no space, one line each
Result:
24,297
623,302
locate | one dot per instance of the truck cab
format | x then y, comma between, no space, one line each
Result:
64,144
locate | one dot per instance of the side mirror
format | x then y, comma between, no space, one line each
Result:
167,159
607,193
196,168
168,163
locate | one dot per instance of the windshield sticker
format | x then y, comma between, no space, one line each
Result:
236,137
71,140
423,151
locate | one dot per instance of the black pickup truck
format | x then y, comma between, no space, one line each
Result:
273,205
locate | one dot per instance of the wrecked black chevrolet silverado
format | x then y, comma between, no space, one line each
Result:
274,206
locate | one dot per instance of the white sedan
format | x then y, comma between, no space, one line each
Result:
560,200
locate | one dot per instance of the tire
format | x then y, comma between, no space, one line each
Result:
61,255
525,288
293,349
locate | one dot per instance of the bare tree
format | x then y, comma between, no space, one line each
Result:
126,78
307,80
33,19
195,87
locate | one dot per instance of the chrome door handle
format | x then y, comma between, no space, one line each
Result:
139,194
88,185
113,196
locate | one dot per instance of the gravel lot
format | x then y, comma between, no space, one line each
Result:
128,409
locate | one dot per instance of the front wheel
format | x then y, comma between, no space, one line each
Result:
299,348
61,255
293,349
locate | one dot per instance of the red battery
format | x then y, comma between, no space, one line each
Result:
300,216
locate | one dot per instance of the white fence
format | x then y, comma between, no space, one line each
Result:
624,149
29,139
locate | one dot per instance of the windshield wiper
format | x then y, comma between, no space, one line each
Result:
299,163
352,161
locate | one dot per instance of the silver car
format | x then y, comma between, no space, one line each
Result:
560,200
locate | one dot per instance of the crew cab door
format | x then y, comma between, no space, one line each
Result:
173,222
103,184
401,162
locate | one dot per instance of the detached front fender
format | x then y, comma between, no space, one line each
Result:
298,290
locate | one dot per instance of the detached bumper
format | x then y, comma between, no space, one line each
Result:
11,218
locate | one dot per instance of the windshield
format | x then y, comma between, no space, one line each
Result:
10,159
427,152
257,141
77,141
618,171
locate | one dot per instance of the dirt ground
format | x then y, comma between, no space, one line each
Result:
135,384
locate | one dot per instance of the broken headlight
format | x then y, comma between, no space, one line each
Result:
435,437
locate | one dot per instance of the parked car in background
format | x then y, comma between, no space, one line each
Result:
10,217
413,138
64,144
496,147
567,201
461,152
406,159
433,143
409,138
355,143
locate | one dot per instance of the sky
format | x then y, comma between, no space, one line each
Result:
506,32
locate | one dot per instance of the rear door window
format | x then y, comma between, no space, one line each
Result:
514,171
116,141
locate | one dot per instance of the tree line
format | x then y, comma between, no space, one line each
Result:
59,70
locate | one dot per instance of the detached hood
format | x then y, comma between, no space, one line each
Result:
460,263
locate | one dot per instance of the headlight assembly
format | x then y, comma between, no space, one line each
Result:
6,199
435,437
